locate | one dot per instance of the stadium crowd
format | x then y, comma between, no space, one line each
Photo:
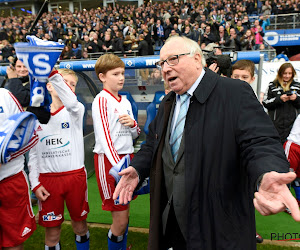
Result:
123,28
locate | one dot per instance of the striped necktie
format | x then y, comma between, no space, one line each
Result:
176,136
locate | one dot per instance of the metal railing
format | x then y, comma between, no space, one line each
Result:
283,21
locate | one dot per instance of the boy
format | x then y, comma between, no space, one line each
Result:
17,221
292,151
115,129
56,164
244,70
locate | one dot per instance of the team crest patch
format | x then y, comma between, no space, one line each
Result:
51,217
26,230
1,109
65,125
116,111
128,111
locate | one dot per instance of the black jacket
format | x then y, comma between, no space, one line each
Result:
283,114
229,142
20,88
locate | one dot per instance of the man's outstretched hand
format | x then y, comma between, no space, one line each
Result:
274,196
126,185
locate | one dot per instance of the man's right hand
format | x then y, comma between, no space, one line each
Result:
11,72
42,194
126,185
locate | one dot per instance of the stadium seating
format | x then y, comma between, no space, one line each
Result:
152,109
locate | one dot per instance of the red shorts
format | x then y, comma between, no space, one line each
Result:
68,186
292,152
107,183
17,220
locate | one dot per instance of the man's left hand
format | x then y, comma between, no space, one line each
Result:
274,196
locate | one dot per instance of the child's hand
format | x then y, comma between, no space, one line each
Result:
42,194
126,120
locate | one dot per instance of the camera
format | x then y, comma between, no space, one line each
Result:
289,93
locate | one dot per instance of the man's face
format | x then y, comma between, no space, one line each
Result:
181,76
243,75
21,70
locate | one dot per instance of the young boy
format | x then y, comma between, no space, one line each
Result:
17,221
244,70
115,129
56,164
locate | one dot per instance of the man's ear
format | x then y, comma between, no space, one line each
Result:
198,59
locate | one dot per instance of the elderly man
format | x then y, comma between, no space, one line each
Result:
209,148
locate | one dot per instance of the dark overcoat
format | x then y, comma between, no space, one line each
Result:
229,142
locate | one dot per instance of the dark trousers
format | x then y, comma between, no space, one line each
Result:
173,237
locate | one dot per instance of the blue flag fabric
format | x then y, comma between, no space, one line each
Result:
123,164
39,57
16,133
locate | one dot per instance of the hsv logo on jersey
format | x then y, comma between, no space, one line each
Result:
26,230
65,125
39,128
1,109
51,217
116,111
128,111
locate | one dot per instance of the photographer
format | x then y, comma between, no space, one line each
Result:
283,101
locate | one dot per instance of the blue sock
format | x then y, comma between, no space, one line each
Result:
83,242
125,238
115,242
297,192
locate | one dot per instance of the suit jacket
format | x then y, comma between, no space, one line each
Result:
229,142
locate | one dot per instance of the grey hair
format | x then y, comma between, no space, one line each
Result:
192,46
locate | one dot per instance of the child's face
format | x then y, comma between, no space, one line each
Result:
71,81
243,75
113,80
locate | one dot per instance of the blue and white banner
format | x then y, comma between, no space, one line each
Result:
15,134
39,58
289,37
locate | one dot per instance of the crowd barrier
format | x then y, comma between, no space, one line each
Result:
137,62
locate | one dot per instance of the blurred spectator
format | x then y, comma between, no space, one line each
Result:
142,46
222,36
118,43
266,8
258,32
233,40
76,51
167,28
160,34
208,36
155,78
263,51
66,53
248,41
107,43
7,50
95,45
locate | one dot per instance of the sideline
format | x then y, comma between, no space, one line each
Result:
146,230
281,243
